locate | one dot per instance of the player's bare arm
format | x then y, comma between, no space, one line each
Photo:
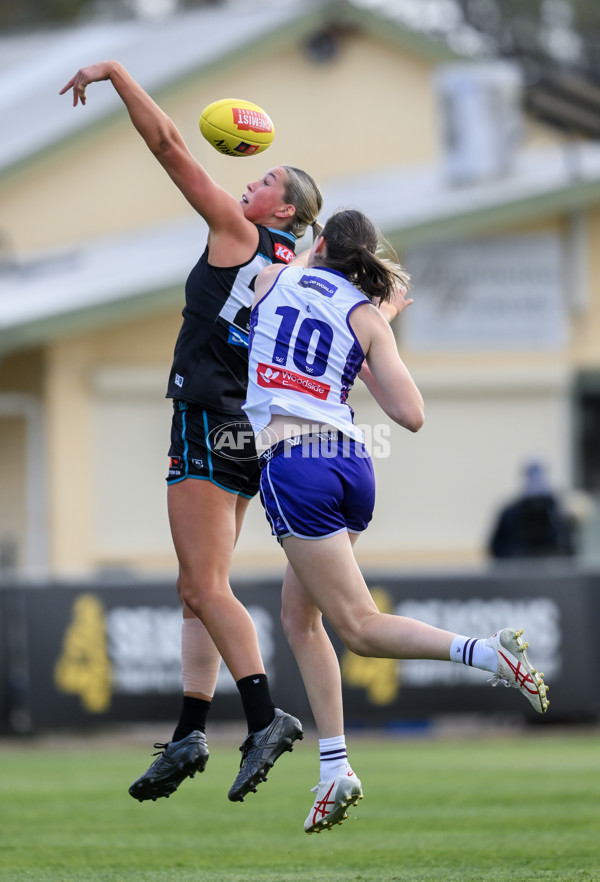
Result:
389,310
220,209
387,378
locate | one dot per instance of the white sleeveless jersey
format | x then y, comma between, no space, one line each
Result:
303,354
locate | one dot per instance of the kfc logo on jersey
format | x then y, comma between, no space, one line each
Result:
283,253
267,377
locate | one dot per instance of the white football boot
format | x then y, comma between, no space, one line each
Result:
332,799
515,669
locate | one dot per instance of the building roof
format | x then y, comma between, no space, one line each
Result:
106,280
111,278
160,53
98,282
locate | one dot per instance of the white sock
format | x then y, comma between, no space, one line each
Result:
474,652
334,758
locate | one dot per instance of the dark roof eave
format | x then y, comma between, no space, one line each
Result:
573,197
46,329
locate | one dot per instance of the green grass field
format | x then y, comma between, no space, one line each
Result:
455,810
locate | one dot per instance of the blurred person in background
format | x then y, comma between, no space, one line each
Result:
535,524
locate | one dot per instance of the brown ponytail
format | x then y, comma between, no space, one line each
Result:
352,240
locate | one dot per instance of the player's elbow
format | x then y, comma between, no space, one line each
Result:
419,425
163,145
411,418
164,141
414,421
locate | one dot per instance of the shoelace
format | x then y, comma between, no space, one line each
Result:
160,747
500,681
246,747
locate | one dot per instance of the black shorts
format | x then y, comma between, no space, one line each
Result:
213,447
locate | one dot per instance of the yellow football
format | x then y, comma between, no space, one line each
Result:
236,127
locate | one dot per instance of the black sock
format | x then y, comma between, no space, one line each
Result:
256,701
193,716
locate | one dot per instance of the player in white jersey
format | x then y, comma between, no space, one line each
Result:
311,330
306,356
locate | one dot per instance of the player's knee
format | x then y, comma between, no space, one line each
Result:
200,593
288,624
356,644
189,595
298,628
354,635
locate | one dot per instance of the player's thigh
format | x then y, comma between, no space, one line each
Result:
332,579
204,525
241,507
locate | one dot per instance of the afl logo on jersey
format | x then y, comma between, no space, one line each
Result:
283,253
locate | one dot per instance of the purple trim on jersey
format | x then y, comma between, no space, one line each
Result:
254,311
356,356
251,327
350,328
327,269
266,294
353,364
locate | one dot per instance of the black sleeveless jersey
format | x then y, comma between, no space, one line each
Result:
210,364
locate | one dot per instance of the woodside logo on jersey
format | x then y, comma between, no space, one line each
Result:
271,377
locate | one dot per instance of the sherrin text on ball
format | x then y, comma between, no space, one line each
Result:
236,127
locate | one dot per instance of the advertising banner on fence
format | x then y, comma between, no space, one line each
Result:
74,656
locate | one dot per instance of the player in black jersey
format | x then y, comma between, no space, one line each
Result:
208,494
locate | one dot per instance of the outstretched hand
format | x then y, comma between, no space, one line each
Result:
393,307
92,74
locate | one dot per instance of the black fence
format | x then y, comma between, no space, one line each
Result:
73,656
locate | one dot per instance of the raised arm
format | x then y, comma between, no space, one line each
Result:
219,208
